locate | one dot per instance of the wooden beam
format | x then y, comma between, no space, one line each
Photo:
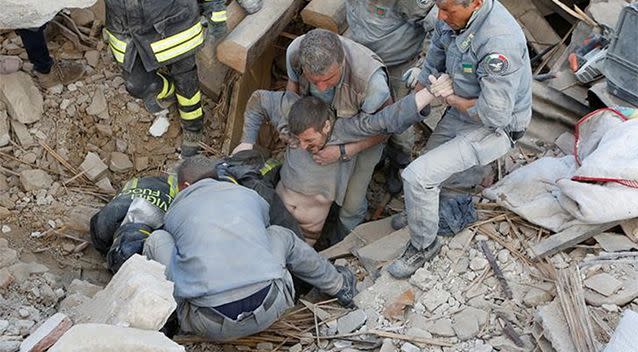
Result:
326,14
256,77
211,72
244,45
569,238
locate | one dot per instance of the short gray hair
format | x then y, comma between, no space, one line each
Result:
319,49
465,3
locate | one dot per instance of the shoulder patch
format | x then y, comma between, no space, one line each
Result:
496,63
424,4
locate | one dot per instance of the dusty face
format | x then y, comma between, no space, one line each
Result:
328,79
455,15
312,140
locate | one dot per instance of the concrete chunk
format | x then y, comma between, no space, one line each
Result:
109,338
8,256
139,296
120,162
612,242
94,168
4,128
604,284
442,327
98,106
47,334
22,133
36,179
23,98
84,288
351,321
555,327
383,250
467,323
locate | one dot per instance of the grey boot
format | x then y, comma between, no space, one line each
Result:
399,221
347,292
413,259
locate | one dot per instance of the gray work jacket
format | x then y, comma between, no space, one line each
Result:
394,29
488,61
221,243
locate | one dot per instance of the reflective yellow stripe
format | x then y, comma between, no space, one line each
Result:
119,56
120,45
147,233
269,165
231,179
219,16
191,115
181,49
183,101
172,183
176,39
167,88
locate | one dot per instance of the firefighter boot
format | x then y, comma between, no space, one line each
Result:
190,143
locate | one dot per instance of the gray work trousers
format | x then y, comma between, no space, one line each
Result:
355,204
404,140
462,146
300,259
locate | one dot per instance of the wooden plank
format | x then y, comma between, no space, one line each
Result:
569,238
361,236
257,77
211,72
326,14
246,43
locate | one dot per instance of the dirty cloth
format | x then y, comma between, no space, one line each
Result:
557,193
455,214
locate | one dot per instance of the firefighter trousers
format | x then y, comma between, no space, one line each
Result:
179,80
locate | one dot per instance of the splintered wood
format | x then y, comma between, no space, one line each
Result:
572,300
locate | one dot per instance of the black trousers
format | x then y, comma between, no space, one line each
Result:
35,43
182,75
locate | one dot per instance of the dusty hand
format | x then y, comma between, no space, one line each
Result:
242,147
328,155
441,87
410,77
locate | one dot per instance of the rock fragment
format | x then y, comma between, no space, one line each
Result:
604,284
36,179
4,128
139,296
351,321
94,168
22,96
110,338
120,162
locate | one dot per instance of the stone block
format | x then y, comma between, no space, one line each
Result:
4,128
84,288
109,338
22,97
8,256
22,133
604,284
351,321
94,168
36,179
47,334
612,242
120,162
21,271
139,296
98,106
383,250
467,323
442,327
555,327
